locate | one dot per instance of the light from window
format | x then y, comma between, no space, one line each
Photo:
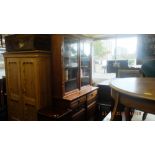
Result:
113,49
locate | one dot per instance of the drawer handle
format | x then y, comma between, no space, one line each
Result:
29,105
21,44
14,100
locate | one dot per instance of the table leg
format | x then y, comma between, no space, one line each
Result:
127,114
144,116
115,107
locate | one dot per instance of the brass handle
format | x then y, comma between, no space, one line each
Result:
29,105
21,44
13,100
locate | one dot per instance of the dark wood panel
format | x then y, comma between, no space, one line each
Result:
24,42
57,66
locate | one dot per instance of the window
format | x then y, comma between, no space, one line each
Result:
122,50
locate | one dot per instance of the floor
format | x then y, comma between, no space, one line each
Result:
136,117
100,77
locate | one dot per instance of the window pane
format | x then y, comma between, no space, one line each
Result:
70,64
109,52
126,50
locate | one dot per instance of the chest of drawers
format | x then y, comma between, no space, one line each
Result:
83,104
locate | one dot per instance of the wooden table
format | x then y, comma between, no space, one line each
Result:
137,93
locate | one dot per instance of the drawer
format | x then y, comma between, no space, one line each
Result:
82,100
91,111
51,113
91,106
79,116
92,95
74,104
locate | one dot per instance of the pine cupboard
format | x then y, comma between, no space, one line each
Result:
28,78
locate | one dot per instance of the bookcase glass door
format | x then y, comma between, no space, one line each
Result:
85,70
71,65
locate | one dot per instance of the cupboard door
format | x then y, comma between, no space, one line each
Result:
15,107
71,65
30,112
15,110
29,86
85,57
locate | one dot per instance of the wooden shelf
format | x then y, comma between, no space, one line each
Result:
85,66
70,57
71,80
69,67
84,77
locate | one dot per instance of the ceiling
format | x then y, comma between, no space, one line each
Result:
106,36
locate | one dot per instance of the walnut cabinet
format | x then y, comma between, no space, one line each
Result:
72,75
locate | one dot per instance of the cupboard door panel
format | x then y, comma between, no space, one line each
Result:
13,77
15,108
29,80
30,112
